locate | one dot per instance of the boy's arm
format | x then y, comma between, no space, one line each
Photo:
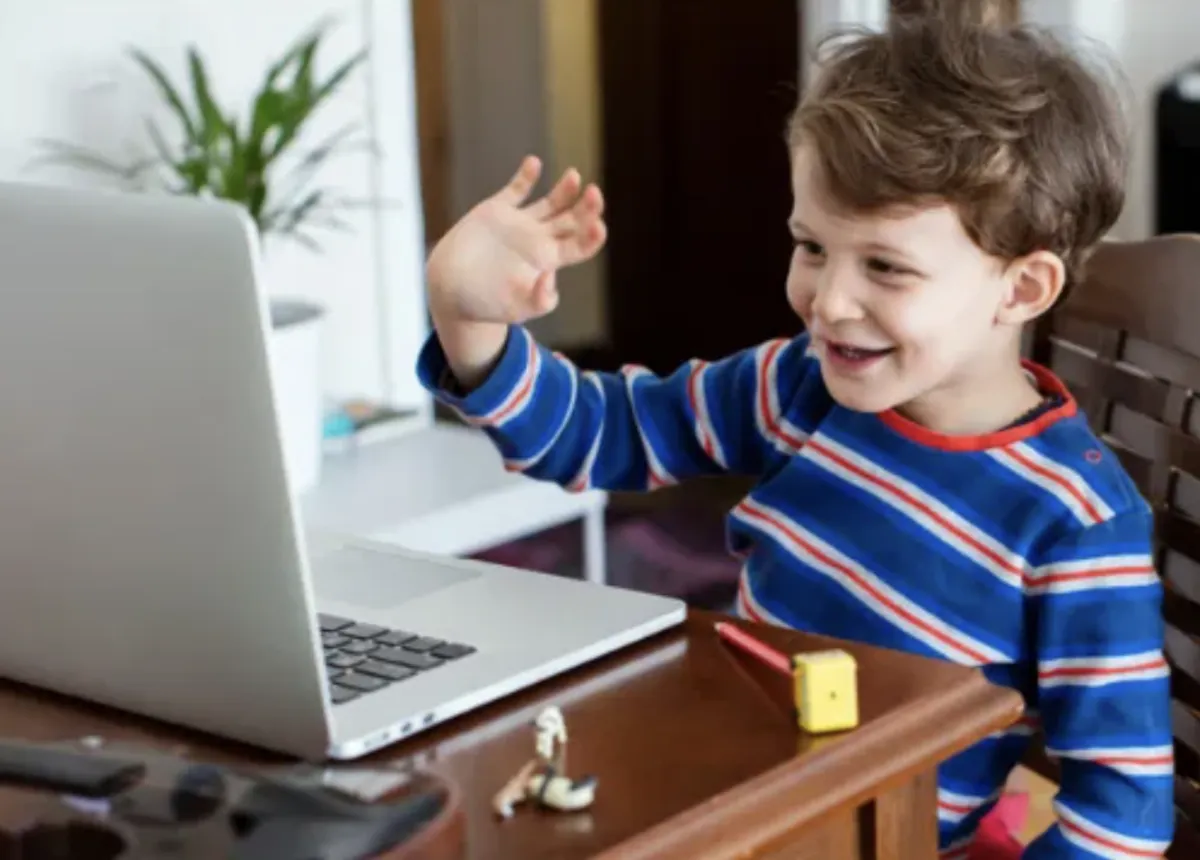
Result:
630,430
1104,693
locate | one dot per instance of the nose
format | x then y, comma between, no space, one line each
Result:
836,297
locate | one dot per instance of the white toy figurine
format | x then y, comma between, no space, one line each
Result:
551,739
543,779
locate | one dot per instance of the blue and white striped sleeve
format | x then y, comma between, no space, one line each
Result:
1104,692
630,430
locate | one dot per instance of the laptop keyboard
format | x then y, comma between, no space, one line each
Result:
362,658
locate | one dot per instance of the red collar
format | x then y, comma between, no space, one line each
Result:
1046,382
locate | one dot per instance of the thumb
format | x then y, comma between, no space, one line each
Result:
545,293
522,182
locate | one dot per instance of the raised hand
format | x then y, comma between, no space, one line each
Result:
498,263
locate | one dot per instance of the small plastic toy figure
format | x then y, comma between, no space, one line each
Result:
543,779
514,790
550,741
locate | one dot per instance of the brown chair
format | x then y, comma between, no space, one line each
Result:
1127,344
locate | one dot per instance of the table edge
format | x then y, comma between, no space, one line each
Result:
801,792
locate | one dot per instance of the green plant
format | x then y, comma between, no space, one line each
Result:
220,154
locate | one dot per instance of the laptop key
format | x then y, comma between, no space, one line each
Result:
362,658
361,683
395,637
407,658
390,671
344,661
422,644
332,623
363,631
452,651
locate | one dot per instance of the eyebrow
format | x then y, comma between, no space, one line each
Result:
904,259
882,248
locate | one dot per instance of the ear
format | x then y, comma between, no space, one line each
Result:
1035,282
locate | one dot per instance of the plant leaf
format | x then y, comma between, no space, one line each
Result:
240,159
311,161
311,99
65,154
290,218
212,124
305,240
335,80
168,92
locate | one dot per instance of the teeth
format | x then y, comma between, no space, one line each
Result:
855,353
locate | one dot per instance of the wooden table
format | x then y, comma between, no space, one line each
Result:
694,745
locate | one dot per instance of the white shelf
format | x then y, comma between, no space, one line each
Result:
443,489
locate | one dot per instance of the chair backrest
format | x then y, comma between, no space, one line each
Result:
1127,344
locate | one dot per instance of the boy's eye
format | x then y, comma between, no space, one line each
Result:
809,247
883,267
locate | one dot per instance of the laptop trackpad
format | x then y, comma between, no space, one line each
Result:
380,579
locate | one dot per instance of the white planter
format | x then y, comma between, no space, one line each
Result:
295,348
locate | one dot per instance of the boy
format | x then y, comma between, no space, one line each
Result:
920,487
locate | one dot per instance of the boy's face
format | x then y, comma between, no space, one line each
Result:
901,307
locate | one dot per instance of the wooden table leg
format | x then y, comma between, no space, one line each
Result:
901,824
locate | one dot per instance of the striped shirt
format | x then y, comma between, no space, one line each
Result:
1025,552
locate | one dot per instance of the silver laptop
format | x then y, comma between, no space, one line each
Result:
151,553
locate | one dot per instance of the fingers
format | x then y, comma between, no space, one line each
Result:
588,208
523,180
543,297
574,235
560,198
568,238
582,245
578,233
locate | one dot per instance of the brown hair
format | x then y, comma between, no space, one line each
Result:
1005,123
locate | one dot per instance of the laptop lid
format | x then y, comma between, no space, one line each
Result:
148,538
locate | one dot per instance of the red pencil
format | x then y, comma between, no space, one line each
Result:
759,650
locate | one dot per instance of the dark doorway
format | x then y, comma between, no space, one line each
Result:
696,95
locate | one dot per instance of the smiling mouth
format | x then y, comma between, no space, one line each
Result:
857,353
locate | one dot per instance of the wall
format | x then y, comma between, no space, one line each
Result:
433,114
1155,43
75,83
494,82
819,17
1150,42
570,74
523,78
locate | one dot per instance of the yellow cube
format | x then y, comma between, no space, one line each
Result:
826,691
